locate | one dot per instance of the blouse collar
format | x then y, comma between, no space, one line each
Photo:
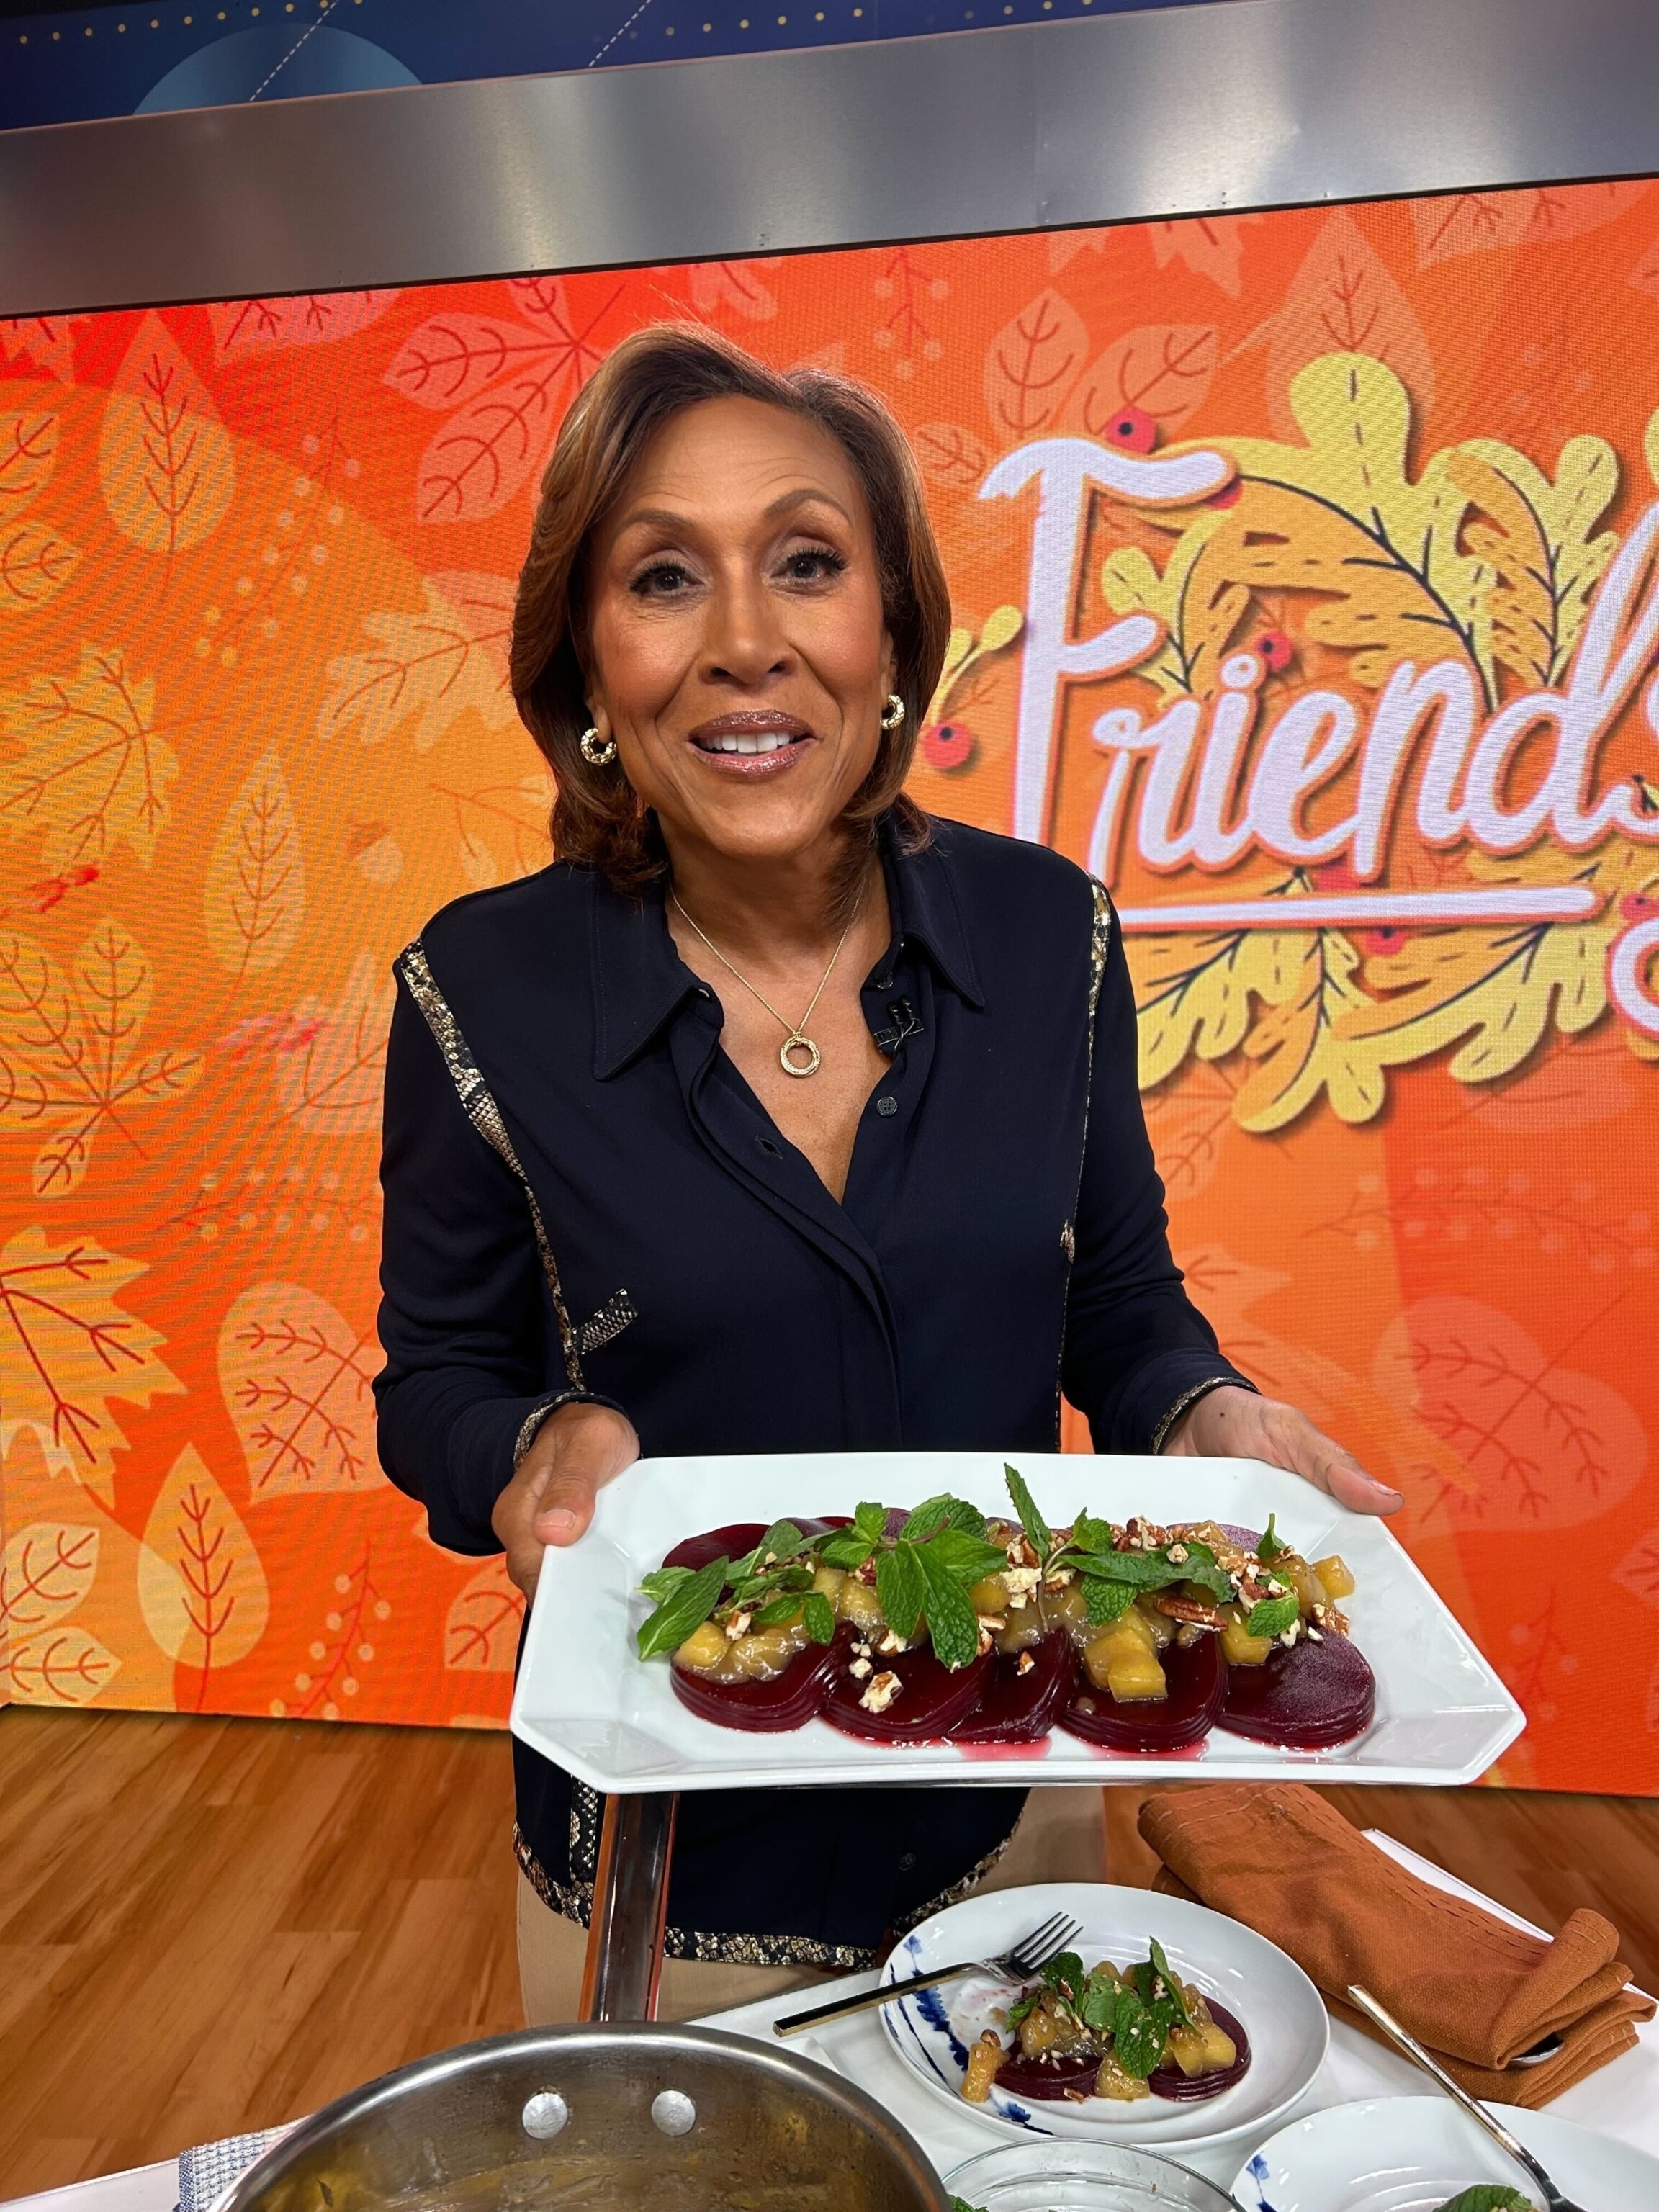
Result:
639,980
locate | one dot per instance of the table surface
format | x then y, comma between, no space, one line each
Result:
1621,2100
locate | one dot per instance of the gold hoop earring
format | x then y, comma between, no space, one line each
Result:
893,713
598,751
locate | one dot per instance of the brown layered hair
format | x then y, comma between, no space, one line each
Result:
597,818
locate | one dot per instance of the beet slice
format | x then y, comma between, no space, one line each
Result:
1306,1698
1019,1708
789,1700
1197,1677
930,1700
1045,2079
1179,2088
732,1542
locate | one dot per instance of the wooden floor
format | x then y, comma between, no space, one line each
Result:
209,1925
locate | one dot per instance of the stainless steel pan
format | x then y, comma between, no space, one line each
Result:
609,2116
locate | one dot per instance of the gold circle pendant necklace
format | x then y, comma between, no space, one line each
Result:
797,1041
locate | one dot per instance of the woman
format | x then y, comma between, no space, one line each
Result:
632,1204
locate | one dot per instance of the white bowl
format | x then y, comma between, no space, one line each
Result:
1074,2177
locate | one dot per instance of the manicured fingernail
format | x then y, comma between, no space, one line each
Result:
557,1526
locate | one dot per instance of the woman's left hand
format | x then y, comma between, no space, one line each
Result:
1229,1423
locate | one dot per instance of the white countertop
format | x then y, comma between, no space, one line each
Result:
1621,2100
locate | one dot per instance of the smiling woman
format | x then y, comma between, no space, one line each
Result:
603,1101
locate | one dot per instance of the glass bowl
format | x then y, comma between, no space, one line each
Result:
1079,2177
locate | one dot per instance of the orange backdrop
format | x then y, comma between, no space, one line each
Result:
255,565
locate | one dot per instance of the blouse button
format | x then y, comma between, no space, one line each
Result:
887,1106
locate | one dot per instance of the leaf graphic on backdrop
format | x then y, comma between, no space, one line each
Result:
331,1081
70,1057
1164,368
431,666
1638,1570
306,318
92,774
254,898
1301,1046
65,1667
1193,637
1534,537
294,1377
1200,994
44,1572
734,284
1212,246
1188,1121
949,455
1548,1447
481,1632
1032,363
164,457
47,341
35,563
201,1586
452,358
1338,518
1343,300
28,453
66,1348
1482,222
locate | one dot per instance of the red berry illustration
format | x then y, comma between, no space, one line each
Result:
1132,430
947,746
1276,650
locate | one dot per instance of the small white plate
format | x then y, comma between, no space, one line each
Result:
1411,2154
584,1699
1279,2008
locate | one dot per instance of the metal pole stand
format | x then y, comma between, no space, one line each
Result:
630,1909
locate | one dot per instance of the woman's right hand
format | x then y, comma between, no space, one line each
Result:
549,1500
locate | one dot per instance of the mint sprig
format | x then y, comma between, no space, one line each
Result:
1272,1616
684,1606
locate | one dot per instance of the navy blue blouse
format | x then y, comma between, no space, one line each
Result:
584,1198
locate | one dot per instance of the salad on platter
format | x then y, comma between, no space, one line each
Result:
942,1623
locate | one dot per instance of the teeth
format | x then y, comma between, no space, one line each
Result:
770,741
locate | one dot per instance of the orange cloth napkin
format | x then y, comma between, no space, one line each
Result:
1277,1856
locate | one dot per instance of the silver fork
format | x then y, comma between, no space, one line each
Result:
1028,1957
1414,2049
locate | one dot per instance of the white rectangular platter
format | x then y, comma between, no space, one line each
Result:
586,1701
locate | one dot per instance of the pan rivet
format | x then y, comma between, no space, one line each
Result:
674,2112
544,2114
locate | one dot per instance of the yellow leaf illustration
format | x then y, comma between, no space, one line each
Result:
1199,994
65,1667
1194,635
331,1081
201,1586
294,1377
1534,537
66,1348
430,667
1338,518
164,459
1303,1046
46,1571
69,1061
481,1633
35,563
91,774
255,896
1343,298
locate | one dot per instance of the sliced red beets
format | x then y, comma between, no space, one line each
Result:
1045,2079
1192,2089
1196,1675
789,1700
1019,1708
930,1700
1306,1698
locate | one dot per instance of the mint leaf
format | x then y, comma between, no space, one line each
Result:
847,1548
781,1541
970,1558
1138,2035
663,1582
900,1589
1035,1527
961,2204
818,1618
1201,1568
1488,2197
1172,1988
687,1607
1089,1534
775,1612
1272,1615
1146,1571
1099,2007
1022,2005
1272,1545
951,1625
1106,1600
871,1520
928,1518
1064,1973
